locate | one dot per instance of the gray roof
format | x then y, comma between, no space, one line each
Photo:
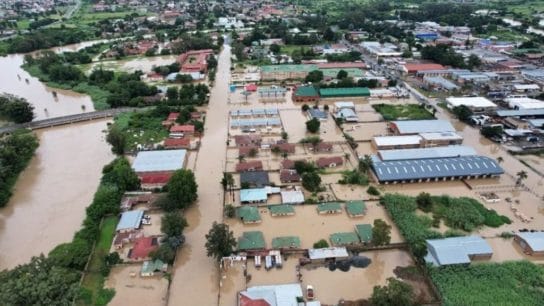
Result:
521,112
255,122
257,178
275,295
318,114
162,160
434,168
425,153
456,250
423,126
537,123
130,220
442,82
534,240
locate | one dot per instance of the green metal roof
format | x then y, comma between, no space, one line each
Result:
286,242
356,207
249,213
331,206
344,238
152,266
306,91
344,92
288,68
364,231
251,240
333,72
281,209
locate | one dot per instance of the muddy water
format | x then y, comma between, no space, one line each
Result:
144,64
37,93
195,280
50,196
136,290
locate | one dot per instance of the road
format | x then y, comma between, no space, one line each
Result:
195,276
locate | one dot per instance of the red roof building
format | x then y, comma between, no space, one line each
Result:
287,164
244,151
415,68
247,140
171,119
247,301
195,61
330,162
284,147
177,143
289,176
340,65
186,129
251,87
256,165
322,147
153,180
143,247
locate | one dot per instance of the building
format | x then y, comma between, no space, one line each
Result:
524,103
396,142
435,139
177,143
247,140
532,243
347,115
380,50
330,162
159,161
195,61
286,72
475,104
329,208
457,250
322,147
344,92
435,169
364,231
253,240
255,165
413,68
287,164
143,248
414,127
344,238
426,153
130,221
272,295
286,242
257,195
283,148
185,129
439,83
281,210
356,208
292,197
248,214
150,267
324,254
305,94
317,114
154,180
254,179
289,176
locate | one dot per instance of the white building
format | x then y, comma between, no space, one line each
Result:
475,104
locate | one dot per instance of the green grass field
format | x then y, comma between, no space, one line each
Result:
405,112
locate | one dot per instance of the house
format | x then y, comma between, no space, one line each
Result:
356,208
457,250
364,231
254,179
283,148
247,140
413,68
305,94
532,243
326,254
344,238
177,143
143,247
255,195
289,176
130,221
170,120
159,161
248,214
252,240
256,165
281,210
347,115
186,129
123,238
287,164
317,114
195,61
292,197
411,127
330,162
248,151
150,267
271,295
322,147
154,180
329,208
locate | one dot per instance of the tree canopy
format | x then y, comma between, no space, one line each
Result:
182,188
220,241
16,108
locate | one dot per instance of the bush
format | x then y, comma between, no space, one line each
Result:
322,243
354,177
313,125
372,190
230,211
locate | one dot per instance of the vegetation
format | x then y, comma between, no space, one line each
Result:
395,293
220,241
511,283
16,109
313,125
230,211
372,190
462,112
381,232
320,244
492,131
354,177
46,38
182,190
314,76
172,226
311,181
16,150
403,112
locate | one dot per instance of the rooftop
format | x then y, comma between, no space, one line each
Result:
272,295
286,242
306,91
255,178
253,195
397,140
535,240
426,153
422,126
344,238
456,250
356,208
470,102
281,209
292,197
364,231
334,252
162,160
130,220
248,214
288,68
331,206
344,92
251,240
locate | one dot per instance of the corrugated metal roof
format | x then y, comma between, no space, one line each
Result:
344,92
425,153
535,240
456,250
292,197
434,168
339,252
537,123
521,112
441,136
318,114
397,140
423,126
163,160
253,195
130,220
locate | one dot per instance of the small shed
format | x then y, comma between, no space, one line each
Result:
329,208
531,243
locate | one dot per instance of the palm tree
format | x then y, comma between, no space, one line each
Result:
522,175
500,159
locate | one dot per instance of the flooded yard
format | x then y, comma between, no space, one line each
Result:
131,289
51,194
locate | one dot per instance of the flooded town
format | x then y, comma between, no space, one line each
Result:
271,153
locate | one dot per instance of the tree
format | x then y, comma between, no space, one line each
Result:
365,163
311,181
227,180
72,255
342,74
395,293
314,76
492,131
172,93
381,232
474,61
119,173
117,139
329,35
424,201
173,224
16,108
462,112
305,107
320,244
274,48
220,241
313,125
230,211
372,190
164,253
521,175
182,188
500,160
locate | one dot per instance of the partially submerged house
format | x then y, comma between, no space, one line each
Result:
248,214
457,250
532,243
130,221
254,179
143,247
329,208
150,267
356,208
255,165
330,162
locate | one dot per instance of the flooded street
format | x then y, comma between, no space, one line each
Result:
195,276
50,196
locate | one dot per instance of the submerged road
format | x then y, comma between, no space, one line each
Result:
195,276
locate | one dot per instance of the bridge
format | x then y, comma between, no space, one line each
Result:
69,119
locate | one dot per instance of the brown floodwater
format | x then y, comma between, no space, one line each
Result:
131,289
144,64
195,276
50,196
13,80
